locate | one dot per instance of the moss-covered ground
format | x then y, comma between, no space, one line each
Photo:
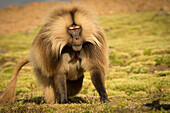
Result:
138,78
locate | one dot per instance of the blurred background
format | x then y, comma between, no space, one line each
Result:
21,15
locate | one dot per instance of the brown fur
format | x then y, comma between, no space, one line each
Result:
51,54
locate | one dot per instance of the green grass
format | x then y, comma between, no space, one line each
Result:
138,78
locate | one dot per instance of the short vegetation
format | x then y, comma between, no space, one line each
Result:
138,78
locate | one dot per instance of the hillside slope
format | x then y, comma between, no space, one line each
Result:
21,18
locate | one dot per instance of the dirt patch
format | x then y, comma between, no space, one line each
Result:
2,50
21,18
162,67
6,59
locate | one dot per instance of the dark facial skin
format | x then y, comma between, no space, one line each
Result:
75,31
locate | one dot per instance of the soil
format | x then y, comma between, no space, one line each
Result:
21,18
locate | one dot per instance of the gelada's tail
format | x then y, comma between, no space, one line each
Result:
8,95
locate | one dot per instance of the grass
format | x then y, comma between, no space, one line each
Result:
138,78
